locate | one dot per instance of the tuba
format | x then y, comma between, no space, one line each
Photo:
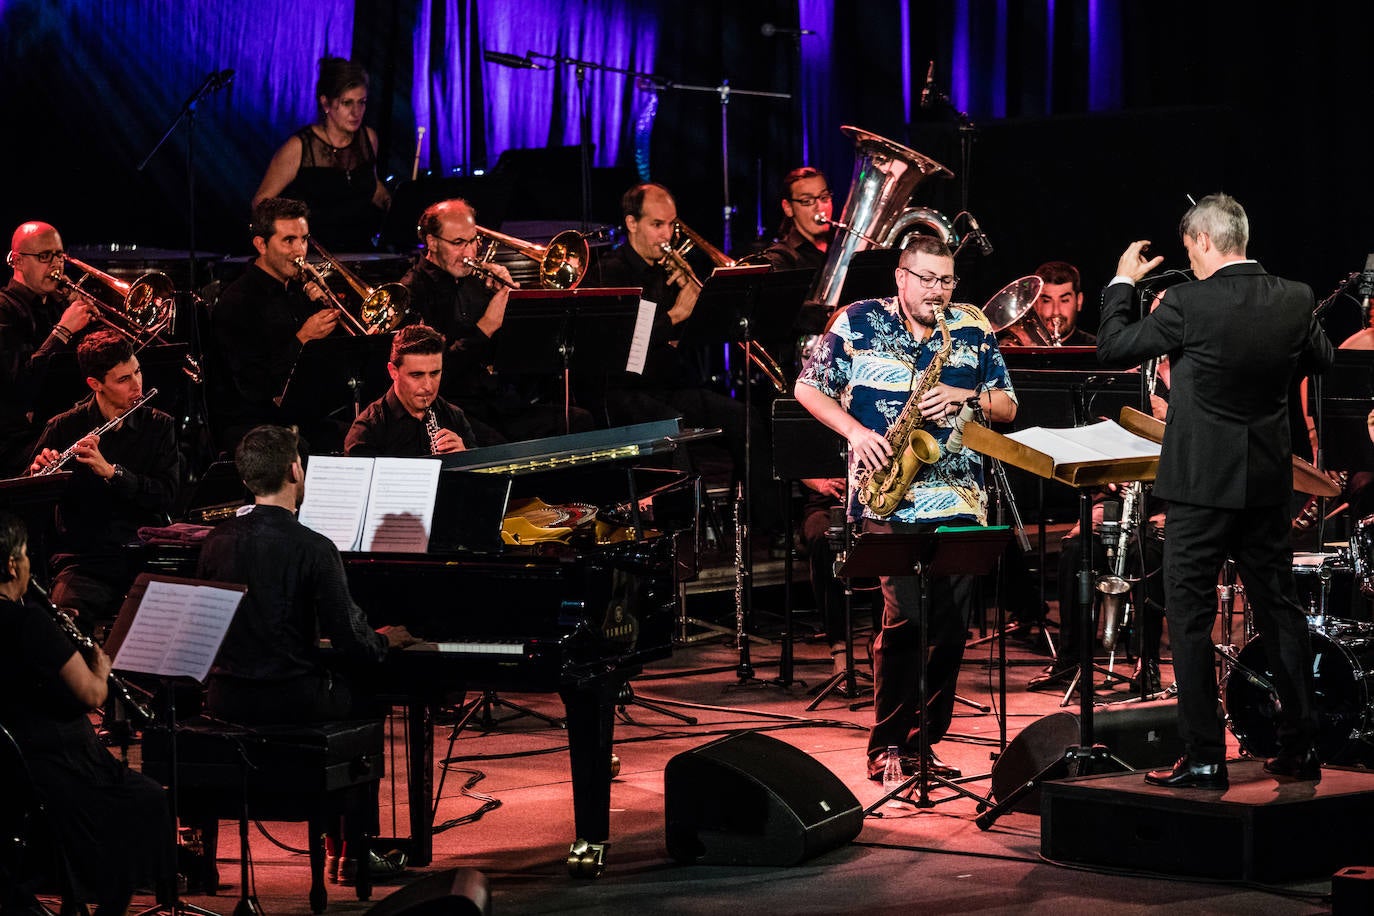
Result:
1012,314
875,212
382,308
562,262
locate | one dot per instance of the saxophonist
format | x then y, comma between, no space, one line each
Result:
911,360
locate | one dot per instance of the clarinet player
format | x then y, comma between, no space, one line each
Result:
875,359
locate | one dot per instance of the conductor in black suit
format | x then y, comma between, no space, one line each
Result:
1235,338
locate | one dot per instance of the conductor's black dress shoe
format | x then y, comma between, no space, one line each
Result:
1189,775
1295,764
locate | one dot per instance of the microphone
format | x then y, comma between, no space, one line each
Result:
1367,278
769,30
979,237
955,444
929,88
510,60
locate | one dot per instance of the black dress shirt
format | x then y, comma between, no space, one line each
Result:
793,251
453,307
98,516
664,366
27,342
297,592
387,428
255,322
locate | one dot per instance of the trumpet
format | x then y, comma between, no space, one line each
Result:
383,306
562,262
56,464
754,352
139,311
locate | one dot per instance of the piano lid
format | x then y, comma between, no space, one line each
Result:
577,449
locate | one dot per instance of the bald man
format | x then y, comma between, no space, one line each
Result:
35,323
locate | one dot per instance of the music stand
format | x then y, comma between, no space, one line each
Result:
946,551
337,370
586,329
1131,459
804,447
165,629
34,500
732,302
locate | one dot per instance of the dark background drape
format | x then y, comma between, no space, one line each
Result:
1091,119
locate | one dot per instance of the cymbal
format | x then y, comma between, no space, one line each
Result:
1307,479
1012,302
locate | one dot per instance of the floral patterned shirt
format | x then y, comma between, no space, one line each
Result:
869,362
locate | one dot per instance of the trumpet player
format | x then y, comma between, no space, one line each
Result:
261,321
122,480
873,360
35,322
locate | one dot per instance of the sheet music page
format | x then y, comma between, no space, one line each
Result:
336,491
400,506
178,629
639,344
1097,442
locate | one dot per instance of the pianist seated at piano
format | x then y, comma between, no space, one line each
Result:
412,420
269,670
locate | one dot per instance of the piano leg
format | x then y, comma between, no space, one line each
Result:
420,780
590,705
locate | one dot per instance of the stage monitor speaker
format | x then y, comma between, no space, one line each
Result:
1144,736
749,799
456,892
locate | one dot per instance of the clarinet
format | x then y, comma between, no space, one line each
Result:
70,453
86,644
432,427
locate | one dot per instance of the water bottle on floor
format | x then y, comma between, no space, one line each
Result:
892,774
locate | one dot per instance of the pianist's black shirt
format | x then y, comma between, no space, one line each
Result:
387,428
297,593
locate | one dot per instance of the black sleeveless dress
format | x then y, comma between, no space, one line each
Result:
338,185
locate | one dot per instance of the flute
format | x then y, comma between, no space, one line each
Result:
70,453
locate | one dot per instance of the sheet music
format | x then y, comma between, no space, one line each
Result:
336,494
178,629
639,344
400,505
1103,441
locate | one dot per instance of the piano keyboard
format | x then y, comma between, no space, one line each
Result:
472,647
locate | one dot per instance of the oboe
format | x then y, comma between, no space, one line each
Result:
86,644
70,453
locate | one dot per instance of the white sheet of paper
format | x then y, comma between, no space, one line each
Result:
400,505
639,344
336,490
1097,442
178,630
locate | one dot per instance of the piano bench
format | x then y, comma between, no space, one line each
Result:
315,773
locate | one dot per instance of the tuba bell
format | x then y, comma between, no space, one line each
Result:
1012,314
875,212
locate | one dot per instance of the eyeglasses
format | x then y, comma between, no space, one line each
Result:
43,257
931,282
459,242
810,200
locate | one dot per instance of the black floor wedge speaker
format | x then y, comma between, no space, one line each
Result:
456,892
1143,736
749,799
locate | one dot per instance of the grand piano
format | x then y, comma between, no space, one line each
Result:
578,616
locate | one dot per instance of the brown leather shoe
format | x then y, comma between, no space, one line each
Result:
1189,775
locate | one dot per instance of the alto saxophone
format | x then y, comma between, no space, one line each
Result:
882,489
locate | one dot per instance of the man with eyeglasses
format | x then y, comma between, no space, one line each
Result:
261,321
861,374
35,323
802,241
469,309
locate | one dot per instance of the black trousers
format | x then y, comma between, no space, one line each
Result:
1199,538
896,655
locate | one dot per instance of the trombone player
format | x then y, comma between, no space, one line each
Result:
35,322
464,298
262,320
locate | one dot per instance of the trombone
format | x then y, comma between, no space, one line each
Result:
383,306
139,311
754,351
562,262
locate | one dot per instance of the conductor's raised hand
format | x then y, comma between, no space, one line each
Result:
1133,262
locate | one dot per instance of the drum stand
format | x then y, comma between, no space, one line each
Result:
1228,590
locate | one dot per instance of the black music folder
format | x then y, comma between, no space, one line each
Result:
546,331
335,371
735,298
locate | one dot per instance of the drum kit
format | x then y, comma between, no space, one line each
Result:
1333,588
